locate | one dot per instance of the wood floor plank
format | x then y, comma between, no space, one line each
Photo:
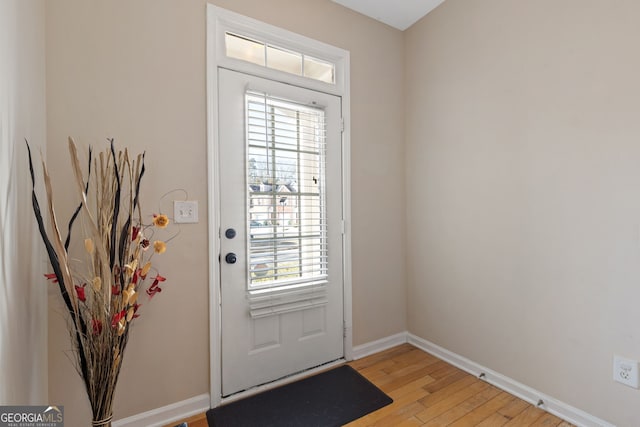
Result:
420,383
494,420
396,417
377,371
527,417
547,420
513,409
400,372
433,410
484,411
464,408
444,371
397,380
436,396
410,422
442,382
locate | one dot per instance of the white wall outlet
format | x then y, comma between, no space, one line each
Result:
185,212
625,371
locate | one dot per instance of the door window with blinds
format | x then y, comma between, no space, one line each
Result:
286,204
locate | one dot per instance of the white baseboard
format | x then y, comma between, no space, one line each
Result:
167,414
377,346
549,404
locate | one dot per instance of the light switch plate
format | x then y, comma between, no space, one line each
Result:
185,212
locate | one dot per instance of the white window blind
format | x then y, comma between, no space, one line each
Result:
286,212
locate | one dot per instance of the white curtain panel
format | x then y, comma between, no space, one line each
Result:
23,292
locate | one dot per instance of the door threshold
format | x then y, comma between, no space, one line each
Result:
282,381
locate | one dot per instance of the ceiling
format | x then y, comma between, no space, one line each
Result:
400,14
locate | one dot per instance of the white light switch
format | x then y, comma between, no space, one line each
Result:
185,212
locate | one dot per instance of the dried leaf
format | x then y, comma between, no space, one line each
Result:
88,245
57,241
97,283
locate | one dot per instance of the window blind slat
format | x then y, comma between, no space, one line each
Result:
290,298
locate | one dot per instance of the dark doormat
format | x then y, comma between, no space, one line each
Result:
332,398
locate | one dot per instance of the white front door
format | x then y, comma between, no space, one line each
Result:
281,262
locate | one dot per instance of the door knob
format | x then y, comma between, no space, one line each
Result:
231,258
230,233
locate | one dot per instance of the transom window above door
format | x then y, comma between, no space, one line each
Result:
278,58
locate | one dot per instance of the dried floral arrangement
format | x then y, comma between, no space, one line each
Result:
100,287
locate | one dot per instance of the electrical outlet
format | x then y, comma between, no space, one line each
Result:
185,212
625,371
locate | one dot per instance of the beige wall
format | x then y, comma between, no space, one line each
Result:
23,332
523,154
136,71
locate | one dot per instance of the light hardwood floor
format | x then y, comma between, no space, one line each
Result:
429,392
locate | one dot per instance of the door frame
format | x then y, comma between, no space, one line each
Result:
218,22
